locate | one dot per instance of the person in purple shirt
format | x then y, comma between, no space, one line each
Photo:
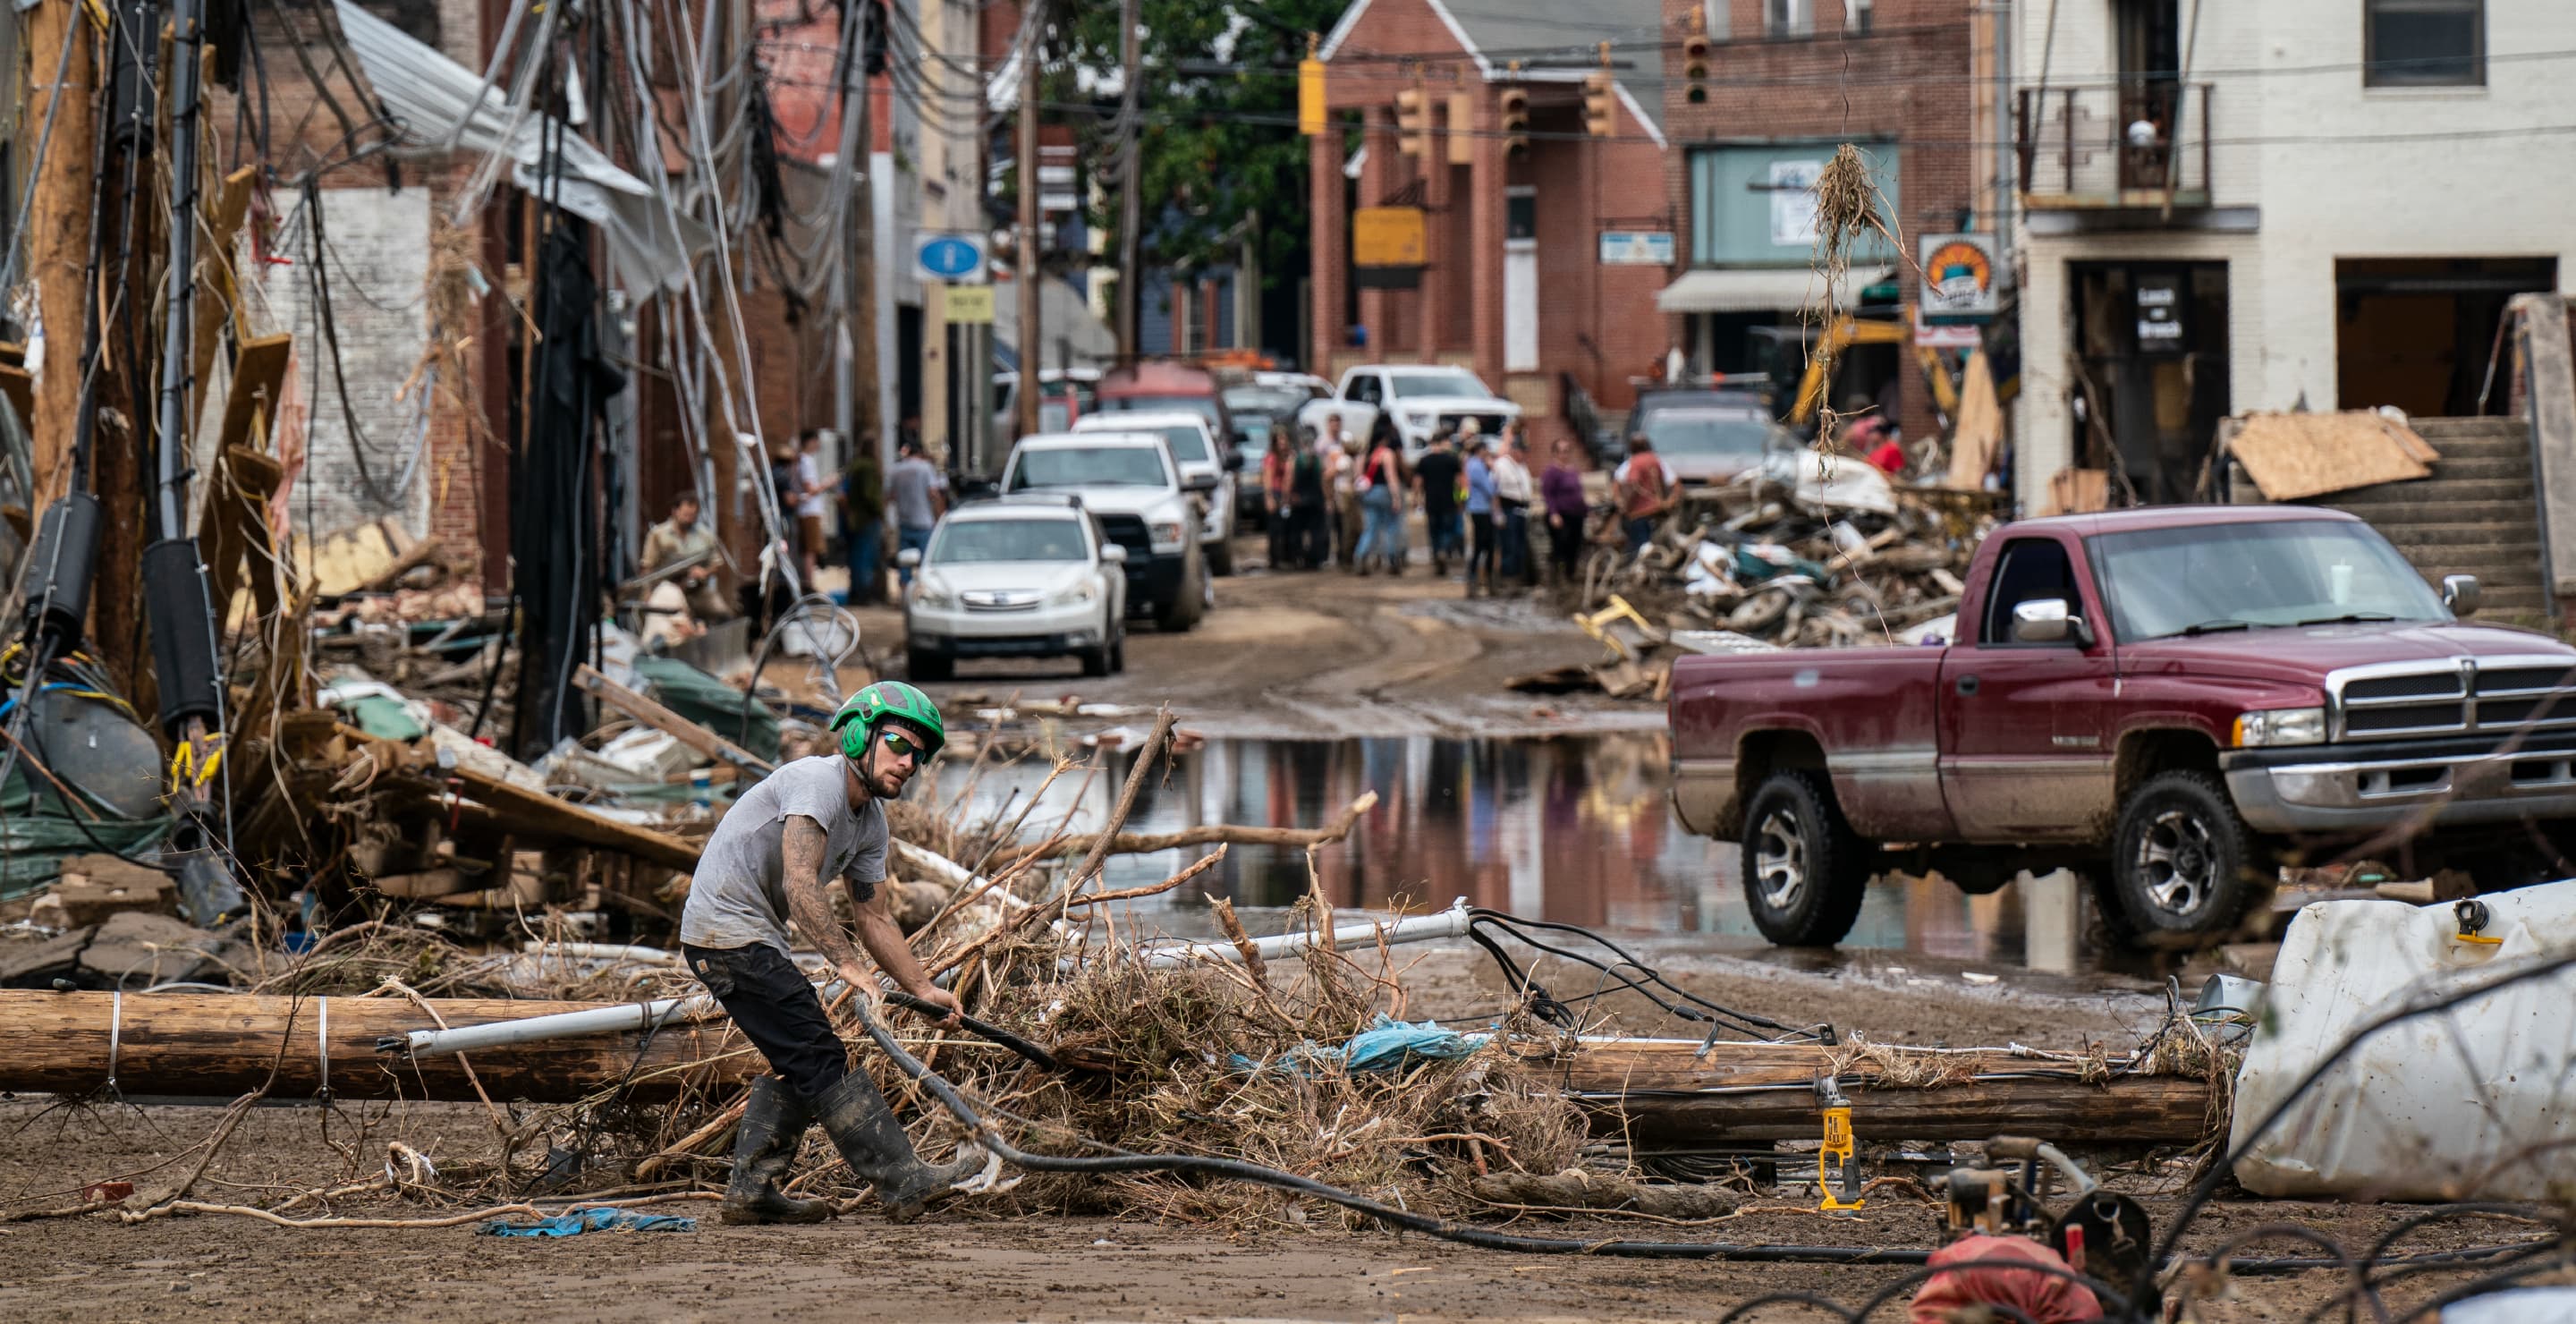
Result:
1560,490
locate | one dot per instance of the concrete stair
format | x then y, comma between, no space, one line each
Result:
2479,513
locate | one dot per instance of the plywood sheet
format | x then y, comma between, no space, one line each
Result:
1981,426
2292,456
2078,491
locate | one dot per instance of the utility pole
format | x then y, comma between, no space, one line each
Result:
858,413
1131,59
58,225
1026,267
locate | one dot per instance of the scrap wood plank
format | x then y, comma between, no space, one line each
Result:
521,810
2292,456
644,709
218,281
1980,429
222,1045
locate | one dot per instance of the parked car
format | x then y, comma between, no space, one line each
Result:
1021,577
1422,398
2166,700
1130,484
1206,470
1269,399
1708,436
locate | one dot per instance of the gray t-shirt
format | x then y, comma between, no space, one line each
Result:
738,896
909,486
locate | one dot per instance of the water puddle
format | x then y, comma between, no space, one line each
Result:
1574,829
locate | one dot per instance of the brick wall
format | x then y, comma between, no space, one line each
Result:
1906,80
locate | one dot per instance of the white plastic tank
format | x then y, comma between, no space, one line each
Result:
2478,1101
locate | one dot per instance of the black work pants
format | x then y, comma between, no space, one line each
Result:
1481,533
1565,543
774,1006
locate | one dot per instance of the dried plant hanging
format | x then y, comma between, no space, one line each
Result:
1849,208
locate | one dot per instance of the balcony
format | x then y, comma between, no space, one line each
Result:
2130,155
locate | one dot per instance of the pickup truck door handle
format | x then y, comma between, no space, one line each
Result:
1967,684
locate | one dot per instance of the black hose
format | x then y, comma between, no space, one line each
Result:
985,1029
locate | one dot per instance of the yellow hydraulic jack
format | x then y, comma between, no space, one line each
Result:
1837,1164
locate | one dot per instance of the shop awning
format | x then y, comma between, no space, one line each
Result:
1759,289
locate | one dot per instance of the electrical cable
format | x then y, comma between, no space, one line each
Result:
1647,983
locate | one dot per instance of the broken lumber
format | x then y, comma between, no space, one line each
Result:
644,709
1227,834
220,1045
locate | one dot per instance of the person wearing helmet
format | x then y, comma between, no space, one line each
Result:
811,821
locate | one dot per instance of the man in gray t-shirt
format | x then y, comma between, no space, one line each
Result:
915,496
767,864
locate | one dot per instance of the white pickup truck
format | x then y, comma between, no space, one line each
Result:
1422,399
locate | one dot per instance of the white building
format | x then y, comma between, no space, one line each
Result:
2313,204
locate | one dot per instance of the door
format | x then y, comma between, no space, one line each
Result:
2023,724
1520,280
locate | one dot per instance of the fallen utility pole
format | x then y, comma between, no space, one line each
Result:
220,1045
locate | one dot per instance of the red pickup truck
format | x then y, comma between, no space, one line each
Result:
2169,701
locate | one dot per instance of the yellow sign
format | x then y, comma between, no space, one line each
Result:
1386,237
1310,96
968,303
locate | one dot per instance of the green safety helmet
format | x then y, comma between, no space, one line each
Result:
861,712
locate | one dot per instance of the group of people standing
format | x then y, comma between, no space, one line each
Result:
1335,501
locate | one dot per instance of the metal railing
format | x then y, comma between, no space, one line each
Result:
2144,139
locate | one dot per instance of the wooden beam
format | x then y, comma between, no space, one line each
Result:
218,282
2164,1110
218,1045
642,708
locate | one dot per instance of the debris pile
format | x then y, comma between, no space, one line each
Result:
1808,551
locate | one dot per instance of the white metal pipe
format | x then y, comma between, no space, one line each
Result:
599,951
563,1025
1450,923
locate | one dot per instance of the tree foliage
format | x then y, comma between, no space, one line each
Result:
1217,114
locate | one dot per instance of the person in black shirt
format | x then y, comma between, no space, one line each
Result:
1435,475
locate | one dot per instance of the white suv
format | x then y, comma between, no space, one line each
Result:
1130,483
1020,577
1206,469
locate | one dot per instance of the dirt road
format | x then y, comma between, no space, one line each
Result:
1327,654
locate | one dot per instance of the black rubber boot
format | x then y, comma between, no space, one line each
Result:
765,1144
855,1115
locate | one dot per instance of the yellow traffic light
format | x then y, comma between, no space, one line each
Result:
1600,109
1695,68
1413,122
1310,96
1514,104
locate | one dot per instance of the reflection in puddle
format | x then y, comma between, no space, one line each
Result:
1571,829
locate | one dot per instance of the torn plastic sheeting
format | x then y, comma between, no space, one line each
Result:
2468,1103
1386,1045
429,95
590,1220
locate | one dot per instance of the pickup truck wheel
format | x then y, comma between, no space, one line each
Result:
2181,859
1185,608
1805,871
1221,560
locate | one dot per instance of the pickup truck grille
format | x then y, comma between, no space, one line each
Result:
1128,531
1490,425
2491,695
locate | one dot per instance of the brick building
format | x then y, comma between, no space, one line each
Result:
1513,283
1788,82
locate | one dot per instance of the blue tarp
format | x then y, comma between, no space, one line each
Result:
1385,1046
590,1220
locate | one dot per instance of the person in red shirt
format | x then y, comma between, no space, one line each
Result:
1646,493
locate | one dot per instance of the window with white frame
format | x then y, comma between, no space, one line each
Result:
1788,18
2424,43
1857,14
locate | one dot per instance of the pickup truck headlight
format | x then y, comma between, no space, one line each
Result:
1168,535
1074,594
2280,726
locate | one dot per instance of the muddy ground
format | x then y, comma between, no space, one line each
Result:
966,1264
1325,654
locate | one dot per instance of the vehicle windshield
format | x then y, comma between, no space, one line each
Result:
1087,466
1189,445
978,541
1269,401
2200,579
1202,405
1705,431
1416,385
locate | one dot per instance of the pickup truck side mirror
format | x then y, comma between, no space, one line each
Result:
2460,594
1114,554
2049,621
909,558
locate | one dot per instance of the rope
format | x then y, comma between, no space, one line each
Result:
322,1045
115,1038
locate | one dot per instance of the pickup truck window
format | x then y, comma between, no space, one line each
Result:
2200,579
1366,389
1422,385
2029,570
